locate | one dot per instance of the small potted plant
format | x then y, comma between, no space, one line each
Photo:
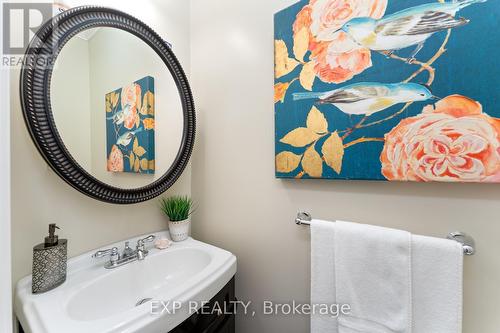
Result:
178,209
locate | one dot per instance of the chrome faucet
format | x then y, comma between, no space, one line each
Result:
127,251
114,256
128,255
141,249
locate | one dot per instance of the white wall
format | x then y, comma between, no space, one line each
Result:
5,240
40,197
244,209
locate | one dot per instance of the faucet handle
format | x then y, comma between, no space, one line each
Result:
141,251
140,242
114,256
149,239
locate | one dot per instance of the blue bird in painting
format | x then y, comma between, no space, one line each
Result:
409,27
124,140
369,97
119,117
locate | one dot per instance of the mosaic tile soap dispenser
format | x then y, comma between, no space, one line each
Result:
50,260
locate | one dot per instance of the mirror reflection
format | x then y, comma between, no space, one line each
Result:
116,107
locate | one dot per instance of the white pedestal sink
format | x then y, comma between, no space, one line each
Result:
98,300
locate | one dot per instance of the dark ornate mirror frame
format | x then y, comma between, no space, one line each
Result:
35,100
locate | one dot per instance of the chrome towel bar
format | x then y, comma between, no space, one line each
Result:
304,218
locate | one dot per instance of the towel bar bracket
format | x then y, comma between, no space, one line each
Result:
468,243
303,218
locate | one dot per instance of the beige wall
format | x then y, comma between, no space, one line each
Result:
71,102
39,197
5,239
247,211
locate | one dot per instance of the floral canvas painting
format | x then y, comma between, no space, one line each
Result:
399,90
130,127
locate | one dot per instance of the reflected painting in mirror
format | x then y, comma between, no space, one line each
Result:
127,126
130,126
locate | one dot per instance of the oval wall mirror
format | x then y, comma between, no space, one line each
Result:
108,105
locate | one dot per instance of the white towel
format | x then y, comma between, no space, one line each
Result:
437,285
373,276
393,281
322,274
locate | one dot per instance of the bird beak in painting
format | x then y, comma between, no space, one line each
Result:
435,97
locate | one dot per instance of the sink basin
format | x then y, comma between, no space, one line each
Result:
120,290
95,299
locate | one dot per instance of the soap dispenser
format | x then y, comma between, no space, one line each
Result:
50,260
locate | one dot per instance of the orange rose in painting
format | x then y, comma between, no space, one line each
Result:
115,160
453,141
337,58
130,100
130,116
131,94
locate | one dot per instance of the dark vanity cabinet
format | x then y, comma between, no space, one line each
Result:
210,321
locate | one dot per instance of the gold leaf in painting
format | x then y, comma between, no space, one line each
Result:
307,76
151,103
316,121
148,104
139,151
136,165
144,164
114,99
300,137
287,161
136,144
149,123
131,159
312,163
151,165
333,152
283,63
280,91
301,43
109,106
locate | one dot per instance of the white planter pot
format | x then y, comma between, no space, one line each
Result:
179,230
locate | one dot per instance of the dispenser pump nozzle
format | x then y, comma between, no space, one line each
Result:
52,239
